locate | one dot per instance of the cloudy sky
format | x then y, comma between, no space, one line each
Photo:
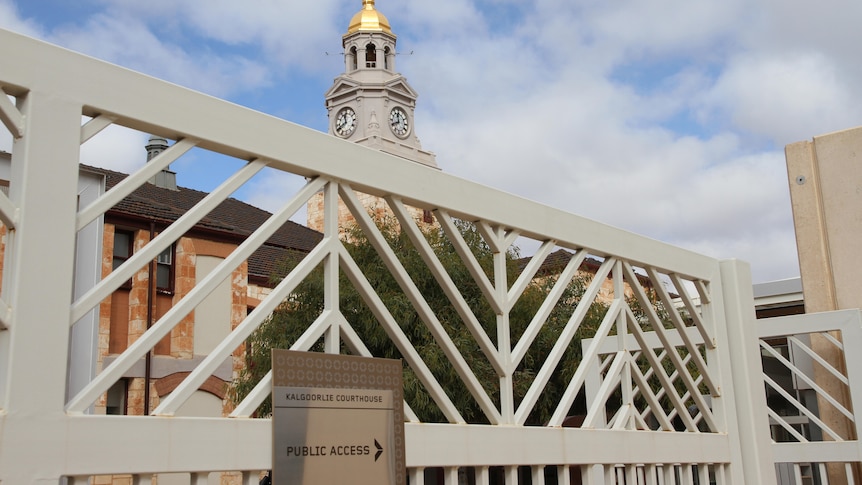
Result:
667,118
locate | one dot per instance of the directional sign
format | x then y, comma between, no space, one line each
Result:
337,434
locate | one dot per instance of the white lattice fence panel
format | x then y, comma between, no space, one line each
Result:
657,361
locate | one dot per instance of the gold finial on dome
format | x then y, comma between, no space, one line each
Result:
369,19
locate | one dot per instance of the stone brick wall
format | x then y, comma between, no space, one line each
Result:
183,335
240,290
138,294
256,294
375,206
105,306
180,343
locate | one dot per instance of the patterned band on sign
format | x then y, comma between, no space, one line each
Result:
319,370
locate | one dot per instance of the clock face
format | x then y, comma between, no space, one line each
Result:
345,122
398,122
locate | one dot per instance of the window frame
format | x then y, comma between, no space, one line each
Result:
171,251
127,285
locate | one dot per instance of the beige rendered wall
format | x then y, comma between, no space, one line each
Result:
825,178
213,315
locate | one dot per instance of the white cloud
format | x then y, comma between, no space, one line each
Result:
663,27
785,98
126,41
10,19
508,113
271,189
287,29
451,19
116,148
285,34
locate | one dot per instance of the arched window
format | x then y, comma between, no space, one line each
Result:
353,61
370,56
386,64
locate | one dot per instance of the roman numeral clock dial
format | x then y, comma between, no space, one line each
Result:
398,122
345,122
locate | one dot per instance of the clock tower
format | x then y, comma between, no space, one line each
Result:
371,104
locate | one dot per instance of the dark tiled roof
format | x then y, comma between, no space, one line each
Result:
233,219
557,261
268,260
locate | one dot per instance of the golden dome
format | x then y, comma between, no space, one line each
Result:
369,19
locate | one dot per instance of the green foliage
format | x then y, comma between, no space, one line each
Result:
294,315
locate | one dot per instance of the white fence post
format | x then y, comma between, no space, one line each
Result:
43,186
852,339
752,434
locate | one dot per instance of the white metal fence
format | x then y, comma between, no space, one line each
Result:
661,408
811,378
812,372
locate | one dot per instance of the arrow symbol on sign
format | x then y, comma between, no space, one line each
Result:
379,450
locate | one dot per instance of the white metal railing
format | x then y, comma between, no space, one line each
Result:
687,414
814,387
812,384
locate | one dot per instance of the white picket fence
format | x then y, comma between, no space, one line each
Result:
682,405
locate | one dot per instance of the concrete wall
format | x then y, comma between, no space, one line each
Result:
825,177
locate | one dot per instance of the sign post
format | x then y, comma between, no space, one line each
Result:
337,419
